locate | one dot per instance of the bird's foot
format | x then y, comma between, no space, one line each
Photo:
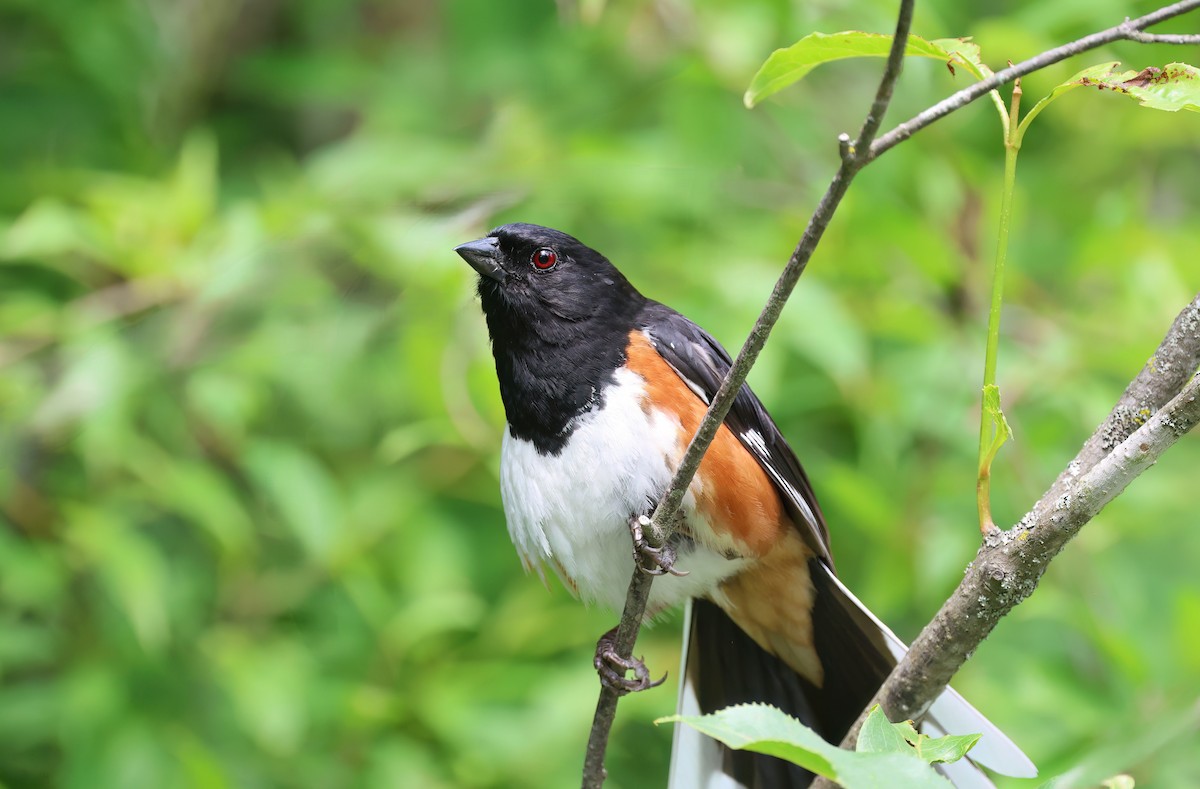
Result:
651,560
613,668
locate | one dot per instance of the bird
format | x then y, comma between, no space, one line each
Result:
603,389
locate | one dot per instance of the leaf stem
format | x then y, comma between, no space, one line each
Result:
1128,31
993,431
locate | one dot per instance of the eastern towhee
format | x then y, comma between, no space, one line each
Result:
603,389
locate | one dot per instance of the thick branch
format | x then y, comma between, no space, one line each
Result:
1129,30
1165,373
668,507
1008,567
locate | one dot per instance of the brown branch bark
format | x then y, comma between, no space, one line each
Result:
1158,407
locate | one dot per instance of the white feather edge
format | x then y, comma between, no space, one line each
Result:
696,759
952,714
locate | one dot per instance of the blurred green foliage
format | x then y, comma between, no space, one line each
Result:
251,532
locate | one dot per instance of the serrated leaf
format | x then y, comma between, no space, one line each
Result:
791,64
878,735
765,729
886,771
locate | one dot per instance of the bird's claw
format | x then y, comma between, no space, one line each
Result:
651,560
612,668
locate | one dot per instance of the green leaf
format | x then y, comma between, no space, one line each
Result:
765,729
1174,87
269,683
206,498
1171,88
886,771
879,735
965,52
1083,77
791,64
950,748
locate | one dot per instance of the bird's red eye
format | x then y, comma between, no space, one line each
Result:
544,259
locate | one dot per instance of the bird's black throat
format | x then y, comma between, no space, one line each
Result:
550,370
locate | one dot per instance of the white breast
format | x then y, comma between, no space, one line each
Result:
571,511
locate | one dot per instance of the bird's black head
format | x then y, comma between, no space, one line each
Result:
542,274
559,315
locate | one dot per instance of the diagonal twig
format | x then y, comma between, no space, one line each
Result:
1129,30
854,158
1161,38
855,155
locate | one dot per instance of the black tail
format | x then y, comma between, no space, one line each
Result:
729,668
723,666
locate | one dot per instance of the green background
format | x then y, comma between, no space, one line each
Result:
251,532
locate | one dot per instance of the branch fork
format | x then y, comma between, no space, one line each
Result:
1002,570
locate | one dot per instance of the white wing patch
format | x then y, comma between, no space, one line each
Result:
755,441
757,444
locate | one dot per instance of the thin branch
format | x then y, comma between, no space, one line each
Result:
883,96
854,157
1162,403
606,706
1126,31
1161,38
668,507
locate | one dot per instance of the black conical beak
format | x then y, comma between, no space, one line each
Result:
482,255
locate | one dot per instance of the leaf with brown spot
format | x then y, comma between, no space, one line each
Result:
1174,87
1144,77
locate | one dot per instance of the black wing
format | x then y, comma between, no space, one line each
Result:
702,364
